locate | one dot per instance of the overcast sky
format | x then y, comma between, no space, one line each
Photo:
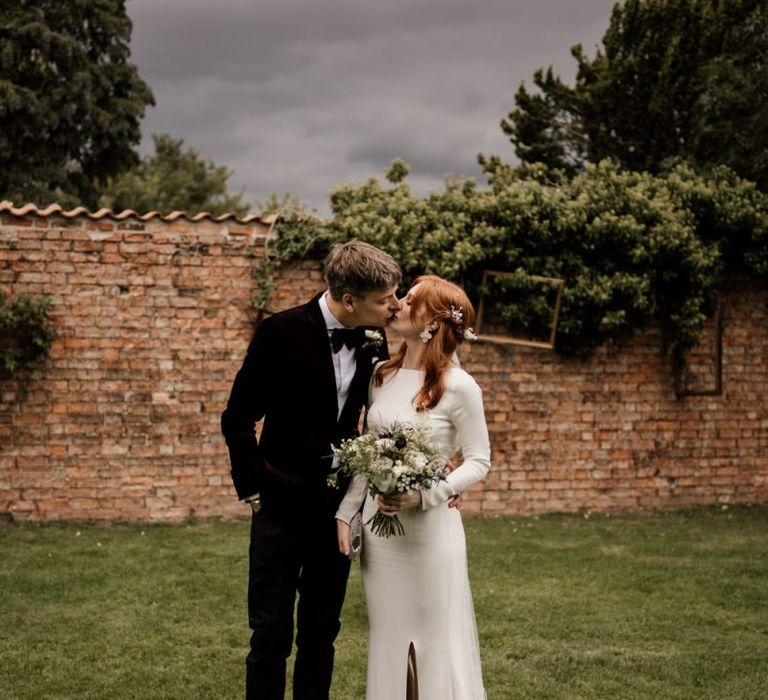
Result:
302,95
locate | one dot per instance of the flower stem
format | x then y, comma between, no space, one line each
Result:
385,525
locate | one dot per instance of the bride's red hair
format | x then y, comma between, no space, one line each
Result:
448,308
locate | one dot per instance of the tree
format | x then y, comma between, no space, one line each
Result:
731,114
70,102
676,80
173,179
547,127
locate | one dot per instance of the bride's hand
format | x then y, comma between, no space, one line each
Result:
392,505
342,532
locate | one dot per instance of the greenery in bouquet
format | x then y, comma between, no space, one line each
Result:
392,461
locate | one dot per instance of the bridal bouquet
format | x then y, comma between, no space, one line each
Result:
392,461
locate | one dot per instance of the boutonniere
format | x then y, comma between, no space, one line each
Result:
372,339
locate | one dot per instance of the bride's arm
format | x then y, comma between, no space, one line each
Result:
468,417
353,499
355,495
349,505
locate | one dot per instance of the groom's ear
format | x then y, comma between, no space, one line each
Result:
348,300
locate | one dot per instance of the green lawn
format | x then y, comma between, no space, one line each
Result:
662,606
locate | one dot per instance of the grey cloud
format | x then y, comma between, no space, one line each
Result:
300,95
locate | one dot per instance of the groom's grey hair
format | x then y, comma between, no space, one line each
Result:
359,268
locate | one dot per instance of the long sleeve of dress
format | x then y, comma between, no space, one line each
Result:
468,417
358,487
353,499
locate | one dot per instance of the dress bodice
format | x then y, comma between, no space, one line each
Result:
393,403
457,422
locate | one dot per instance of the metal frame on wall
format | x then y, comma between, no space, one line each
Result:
549,344
680,389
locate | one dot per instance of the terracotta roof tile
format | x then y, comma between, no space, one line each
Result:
56,209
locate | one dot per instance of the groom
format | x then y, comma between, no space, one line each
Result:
306,374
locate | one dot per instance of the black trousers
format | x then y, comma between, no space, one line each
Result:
286,559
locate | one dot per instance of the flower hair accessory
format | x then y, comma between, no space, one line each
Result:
457,314
470,334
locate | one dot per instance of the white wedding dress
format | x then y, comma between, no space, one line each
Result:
416,585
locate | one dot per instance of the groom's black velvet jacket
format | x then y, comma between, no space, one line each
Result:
287,378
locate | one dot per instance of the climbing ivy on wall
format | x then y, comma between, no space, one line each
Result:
26,332
631,247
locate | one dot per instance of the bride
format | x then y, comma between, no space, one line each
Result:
416,585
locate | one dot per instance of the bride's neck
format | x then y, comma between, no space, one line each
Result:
414,355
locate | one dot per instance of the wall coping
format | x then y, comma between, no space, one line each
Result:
7,207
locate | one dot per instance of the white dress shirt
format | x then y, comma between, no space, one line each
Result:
343,361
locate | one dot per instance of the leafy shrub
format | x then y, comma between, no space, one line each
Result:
26,333
632,247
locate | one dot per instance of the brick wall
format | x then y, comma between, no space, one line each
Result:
153,318
610,434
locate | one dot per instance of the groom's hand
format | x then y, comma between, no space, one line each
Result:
342,532
450,465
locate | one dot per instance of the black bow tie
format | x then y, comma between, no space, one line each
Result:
344,336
